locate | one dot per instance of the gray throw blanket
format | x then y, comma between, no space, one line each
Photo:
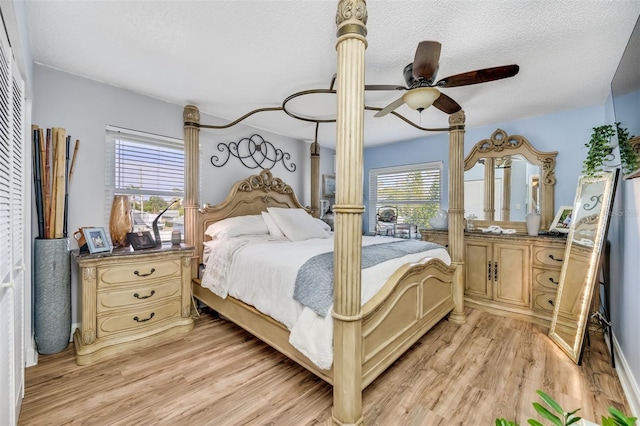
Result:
314,282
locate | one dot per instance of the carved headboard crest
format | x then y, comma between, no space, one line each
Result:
266,182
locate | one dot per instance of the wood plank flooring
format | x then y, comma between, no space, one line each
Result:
220,375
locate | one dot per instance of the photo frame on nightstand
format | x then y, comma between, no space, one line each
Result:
141,240
97,240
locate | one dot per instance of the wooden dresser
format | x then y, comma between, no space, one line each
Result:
516,275
131,299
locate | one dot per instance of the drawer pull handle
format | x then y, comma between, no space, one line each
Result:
137,296
144,275
552,257
489,271
551,302
495,271
136,319
553,281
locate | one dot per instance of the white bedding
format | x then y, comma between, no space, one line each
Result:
261,270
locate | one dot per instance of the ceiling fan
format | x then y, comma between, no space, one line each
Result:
421,91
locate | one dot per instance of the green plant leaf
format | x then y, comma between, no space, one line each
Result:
551,402
533,422
504,422
547,414
620,419
607,421
573,420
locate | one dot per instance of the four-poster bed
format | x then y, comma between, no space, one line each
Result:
367,338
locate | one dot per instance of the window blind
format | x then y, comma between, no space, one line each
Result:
148,167
415,190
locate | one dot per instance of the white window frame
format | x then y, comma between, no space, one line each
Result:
408,168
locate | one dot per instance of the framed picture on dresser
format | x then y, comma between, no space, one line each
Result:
562,222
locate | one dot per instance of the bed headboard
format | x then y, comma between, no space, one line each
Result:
248,196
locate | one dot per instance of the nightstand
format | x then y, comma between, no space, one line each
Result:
131,299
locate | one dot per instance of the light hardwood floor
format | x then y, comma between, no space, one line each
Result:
220,375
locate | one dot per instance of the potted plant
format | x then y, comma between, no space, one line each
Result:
601,148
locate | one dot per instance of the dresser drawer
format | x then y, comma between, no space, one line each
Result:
548,256
542,301
545,278
136,319
136,296
138,272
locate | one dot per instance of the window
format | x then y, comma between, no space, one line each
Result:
414,190
150,170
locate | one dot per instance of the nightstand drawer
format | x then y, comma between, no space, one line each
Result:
135,319
547,279
139,272
548,256
136,296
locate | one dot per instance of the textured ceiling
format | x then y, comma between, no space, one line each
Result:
229,57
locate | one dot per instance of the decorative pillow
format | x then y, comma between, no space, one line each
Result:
235,226
297,224
271,225
324,225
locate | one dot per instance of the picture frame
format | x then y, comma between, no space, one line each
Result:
97,240
562,222
329,186
141,240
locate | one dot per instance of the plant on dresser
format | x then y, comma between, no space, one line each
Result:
132,299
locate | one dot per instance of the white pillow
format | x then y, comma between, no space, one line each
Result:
324,225
271,225
297,224
235,226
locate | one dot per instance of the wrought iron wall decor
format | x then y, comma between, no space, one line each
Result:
253,152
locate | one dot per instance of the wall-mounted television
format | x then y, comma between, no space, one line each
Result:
625,86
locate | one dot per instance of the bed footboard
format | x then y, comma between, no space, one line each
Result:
414,299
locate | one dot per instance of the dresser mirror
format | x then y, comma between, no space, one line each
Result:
505,179
588,231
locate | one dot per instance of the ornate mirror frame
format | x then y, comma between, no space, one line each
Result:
591,216
496,147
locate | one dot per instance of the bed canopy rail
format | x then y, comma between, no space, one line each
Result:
347,311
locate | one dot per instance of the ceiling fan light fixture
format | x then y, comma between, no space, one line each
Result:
421,97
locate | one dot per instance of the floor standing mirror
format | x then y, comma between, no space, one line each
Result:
588,232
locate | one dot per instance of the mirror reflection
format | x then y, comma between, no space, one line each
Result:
506,178
591,215
515,191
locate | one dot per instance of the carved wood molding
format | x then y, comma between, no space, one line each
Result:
265,182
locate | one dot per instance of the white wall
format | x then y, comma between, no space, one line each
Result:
84,107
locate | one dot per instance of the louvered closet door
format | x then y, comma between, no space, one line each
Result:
12,230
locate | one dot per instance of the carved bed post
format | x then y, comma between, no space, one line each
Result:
191,117
351,19
456,212
315,178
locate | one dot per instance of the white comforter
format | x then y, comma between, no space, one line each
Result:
261,270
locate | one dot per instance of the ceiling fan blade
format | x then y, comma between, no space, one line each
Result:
425,62
391,107
447,105
383,87
479,76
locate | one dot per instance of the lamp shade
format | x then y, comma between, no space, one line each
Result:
421,97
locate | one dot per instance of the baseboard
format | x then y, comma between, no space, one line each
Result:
31,354
73,330
628,382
